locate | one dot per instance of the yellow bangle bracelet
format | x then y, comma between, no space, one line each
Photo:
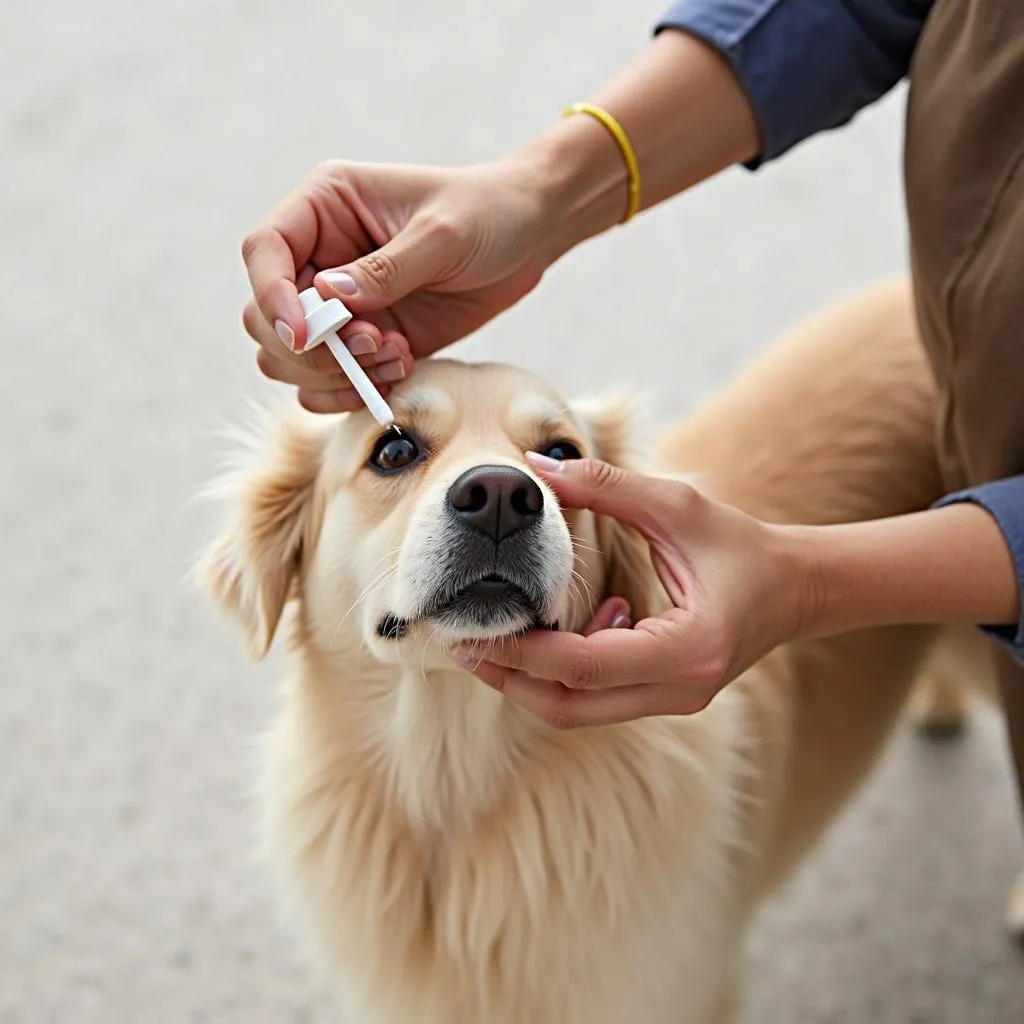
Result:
625,146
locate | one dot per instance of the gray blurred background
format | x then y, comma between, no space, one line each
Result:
138,144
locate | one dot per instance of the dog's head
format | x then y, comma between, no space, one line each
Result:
408,542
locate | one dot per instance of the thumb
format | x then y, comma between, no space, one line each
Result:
382,277
643,502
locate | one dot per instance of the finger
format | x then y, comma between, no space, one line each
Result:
272,255
311,381
342,400
563,708
392,371
288,372
394,361
395,345
415,257
366,338
262,332
644,502
324,388
612,614
609,658
363,340
371,345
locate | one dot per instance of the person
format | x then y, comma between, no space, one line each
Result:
425,255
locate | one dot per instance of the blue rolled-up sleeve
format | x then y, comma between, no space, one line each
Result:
806,65
1004,501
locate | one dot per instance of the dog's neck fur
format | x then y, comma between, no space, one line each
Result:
445,743
454,743
404,803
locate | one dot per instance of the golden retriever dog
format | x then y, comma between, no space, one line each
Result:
458,861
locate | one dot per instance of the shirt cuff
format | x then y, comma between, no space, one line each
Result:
1004,501
806,65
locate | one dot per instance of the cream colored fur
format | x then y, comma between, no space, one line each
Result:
458,862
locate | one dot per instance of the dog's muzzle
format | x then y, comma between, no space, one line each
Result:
490,573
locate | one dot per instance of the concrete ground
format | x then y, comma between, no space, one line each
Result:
138,143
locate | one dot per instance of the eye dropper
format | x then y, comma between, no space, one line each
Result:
323,319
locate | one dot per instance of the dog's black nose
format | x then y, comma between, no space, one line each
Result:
497,500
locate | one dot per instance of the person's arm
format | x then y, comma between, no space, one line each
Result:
723,83
425,255
1004,502
806,65
961,562
687,117
740,587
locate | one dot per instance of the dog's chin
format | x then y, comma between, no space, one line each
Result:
488,609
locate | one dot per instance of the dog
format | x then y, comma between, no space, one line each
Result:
457,861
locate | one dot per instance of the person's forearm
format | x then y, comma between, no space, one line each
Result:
686,116
946,565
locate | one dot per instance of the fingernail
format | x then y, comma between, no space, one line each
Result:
340,281
285,333
361,345
544,462
389,351
390,372
621,622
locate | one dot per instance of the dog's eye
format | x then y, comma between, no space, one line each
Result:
394,451
562,450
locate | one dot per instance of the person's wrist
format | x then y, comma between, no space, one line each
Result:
579,181
800,574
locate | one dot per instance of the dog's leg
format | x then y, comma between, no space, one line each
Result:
962,664
730,1007
939,705
835,424
1015,909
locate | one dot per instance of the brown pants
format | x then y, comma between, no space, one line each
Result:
965,201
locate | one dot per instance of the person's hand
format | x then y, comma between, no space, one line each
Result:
421,255
737,586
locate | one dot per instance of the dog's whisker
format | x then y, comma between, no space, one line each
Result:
342,564
577,594
492,644
580,578
376,584
342,558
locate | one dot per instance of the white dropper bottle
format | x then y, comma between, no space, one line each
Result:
324,317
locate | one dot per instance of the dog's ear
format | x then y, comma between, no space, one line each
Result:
250,569
628,571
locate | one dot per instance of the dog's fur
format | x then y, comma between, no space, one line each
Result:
456,860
